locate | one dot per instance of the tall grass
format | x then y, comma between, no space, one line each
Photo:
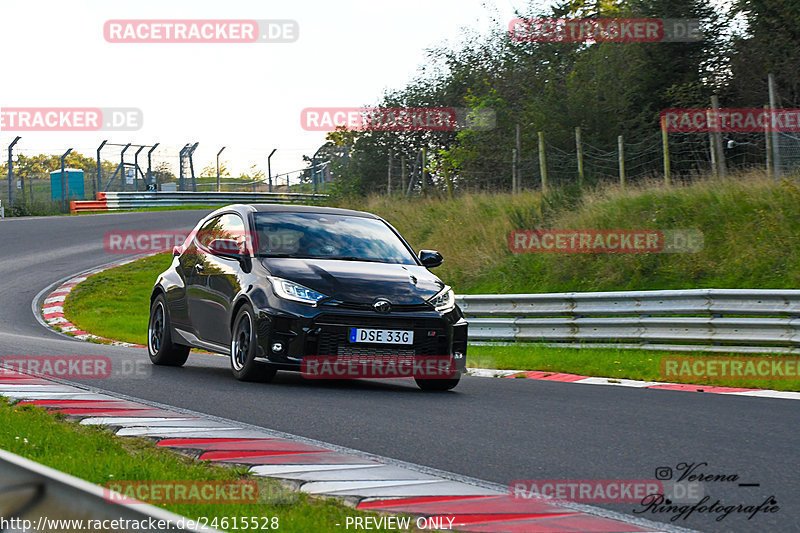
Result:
751,228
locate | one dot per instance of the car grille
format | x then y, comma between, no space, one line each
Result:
334,333
396,308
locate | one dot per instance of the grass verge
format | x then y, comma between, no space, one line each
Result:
644,365
47,438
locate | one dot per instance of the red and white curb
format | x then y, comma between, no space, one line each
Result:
53,307
619,382
369,482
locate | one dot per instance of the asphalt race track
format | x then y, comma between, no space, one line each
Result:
497,430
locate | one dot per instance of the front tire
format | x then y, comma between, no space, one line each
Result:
438,385
160,348
244,346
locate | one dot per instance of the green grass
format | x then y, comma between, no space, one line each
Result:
33,433
116,303
751,228
644,365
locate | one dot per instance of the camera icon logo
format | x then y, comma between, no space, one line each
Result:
663,473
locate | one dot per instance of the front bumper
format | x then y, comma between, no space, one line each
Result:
326,333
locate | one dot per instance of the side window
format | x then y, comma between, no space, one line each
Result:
208,232
232,227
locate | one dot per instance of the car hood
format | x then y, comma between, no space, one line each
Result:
359,281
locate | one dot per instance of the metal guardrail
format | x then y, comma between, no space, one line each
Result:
741,317
36,493
134,200
120,201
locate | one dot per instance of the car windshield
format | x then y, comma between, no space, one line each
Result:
326,236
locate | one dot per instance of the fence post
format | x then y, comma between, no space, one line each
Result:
665,149
518,181
11,172
717,139
402,173
389,177
64,183
99,170
513,171
768,144
424,164
621,151
542,163
579,152
713,150
150,180
776,151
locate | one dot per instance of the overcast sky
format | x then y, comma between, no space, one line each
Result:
247,97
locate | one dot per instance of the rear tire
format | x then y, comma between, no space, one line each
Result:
160,348
244,346
437,385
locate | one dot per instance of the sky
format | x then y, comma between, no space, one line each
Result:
246,97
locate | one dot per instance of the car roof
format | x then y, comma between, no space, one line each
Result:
294,208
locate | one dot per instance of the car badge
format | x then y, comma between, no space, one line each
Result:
382,306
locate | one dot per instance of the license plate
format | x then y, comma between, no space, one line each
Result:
381,336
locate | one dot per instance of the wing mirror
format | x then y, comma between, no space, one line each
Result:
231,249
430,258
225,248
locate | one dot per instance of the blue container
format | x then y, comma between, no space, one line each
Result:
74,190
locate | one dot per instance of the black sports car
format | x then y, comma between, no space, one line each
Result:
330,292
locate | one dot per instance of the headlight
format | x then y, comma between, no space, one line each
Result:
289,290
444,301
